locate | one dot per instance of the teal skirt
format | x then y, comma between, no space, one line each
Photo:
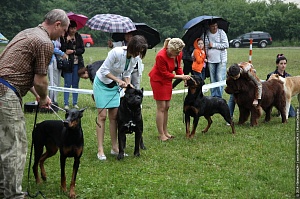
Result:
105,97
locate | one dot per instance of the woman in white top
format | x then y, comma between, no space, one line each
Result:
114,73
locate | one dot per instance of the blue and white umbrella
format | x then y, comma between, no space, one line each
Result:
111,23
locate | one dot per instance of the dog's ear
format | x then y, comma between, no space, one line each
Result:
142,89
81,110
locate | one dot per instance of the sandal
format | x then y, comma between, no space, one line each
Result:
163,140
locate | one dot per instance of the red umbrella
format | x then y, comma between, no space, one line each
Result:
78,18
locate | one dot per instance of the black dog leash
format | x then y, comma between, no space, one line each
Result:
30,157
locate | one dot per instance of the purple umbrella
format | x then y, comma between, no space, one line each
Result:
111,23
78,18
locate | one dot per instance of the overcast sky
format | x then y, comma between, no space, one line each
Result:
293,1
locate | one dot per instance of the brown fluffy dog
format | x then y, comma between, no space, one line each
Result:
243,90
291,88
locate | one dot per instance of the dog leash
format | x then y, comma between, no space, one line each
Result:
183,97
29,166
118,91
55,111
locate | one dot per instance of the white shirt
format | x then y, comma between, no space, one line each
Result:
115,64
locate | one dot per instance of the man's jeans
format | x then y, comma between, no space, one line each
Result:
217,73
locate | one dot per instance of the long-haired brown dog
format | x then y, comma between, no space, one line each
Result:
291,87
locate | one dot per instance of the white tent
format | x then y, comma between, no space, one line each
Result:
3,40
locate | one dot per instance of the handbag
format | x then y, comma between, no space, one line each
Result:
63,64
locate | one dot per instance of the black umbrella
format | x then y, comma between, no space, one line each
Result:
152,35
197,26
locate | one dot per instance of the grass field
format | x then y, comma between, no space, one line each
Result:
257,162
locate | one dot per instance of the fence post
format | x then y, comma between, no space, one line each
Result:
250,51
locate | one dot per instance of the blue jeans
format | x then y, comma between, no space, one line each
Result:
231,105
292,112
71,79
217,73
201,75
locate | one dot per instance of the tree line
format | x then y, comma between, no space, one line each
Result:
280,19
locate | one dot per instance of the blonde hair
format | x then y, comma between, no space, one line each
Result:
174,44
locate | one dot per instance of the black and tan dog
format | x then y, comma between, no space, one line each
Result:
67,136
197,105
130,120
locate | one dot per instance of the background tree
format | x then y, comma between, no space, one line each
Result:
280,19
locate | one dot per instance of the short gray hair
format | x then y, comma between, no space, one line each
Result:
57,15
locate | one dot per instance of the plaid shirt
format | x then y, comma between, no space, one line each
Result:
29,53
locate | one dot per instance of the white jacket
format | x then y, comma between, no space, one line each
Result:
115,64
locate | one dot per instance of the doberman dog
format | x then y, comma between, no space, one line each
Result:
130,120
197,105
67,136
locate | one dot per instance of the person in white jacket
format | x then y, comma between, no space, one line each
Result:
114,73
138,70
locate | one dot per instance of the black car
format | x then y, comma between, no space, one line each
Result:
260,39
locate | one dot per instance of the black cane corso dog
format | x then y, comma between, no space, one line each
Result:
130,120
197,105
67,136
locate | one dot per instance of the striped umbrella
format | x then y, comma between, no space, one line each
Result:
111,23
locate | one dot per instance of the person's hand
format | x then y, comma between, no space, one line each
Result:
70,51
65,56
122,84
186,77
37,98
45,103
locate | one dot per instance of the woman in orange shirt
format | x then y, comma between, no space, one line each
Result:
200,60
167,60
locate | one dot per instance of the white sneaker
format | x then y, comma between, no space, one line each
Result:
101,157
75,106
67,107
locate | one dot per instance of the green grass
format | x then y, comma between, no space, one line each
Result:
257,162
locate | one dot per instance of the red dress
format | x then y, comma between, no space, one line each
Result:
161,75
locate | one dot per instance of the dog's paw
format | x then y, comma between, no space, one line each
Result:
120,156
137,154
142,146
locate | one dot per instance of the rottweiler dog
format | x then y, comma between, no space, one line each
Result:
67,136
130,120
197,105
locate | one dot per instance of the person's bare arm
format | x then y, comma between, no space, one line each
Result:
41,87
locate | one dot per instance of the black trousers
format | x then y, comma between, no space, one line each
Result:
187,68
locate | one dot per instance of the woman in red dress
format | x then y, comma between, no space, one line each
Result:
167,60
